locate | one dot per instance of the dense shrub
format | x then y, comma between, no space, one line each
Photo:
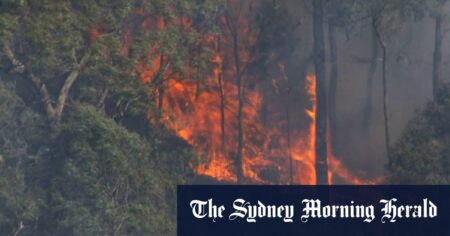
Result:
422,154
92,176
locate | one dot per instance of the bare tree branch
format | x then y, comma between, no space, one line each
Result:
71,78
20,228
53,111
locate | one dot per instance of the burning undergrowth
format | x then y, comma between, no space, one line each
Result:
212,114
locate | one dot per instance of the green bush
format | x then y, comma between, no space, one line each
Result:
105,181
92,176
422,154
21,137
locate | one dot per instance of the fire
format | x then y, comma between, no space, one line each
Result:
205,113
303,151
197,117
306,154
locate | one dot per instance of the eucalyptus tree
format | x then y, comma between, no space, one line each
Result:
384,17
53,43
57,45
321,93
64,61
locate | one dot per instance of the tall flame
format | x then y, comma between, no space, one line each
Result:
306,153
304,144
196,117
204,114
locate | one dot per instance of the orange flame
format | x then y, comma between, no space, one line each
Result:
196,118
204,114
304,145
335,166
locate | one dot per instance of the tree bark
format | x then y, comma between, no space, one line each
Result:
222,98
240,174
235,37
321,94
288,122
288,133
332,90
70,80
437,57
161,92
385,92
101,100
367,116
54,112
159,81
222,110
50,110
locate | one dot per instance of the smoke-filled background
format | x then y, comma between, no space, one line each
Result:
357,136
410,50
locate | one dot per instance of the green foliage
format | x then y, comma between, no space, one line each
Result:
421,156
93,177
276,33
21,132
105,180
50,37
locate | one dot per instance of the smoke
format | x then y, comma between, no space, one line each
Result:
409,70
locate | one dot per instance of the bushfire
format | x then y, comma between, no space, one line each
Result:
205,115
197,119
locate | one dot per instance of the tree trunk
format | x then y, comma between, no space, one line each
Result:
54,112
332,90
288,133
321,93
234,34
64,92
385,92
367,116
264,105
288,123
222,111
239,161
160,86
222,100
437,57
161,92
101,100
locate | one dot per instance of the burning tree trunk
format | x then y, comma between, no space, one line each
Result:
234,34
288,122
384,82
333,82
160,87
240,109
222,110
437,57
370,76
321,121
222,97
288,133
160,100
